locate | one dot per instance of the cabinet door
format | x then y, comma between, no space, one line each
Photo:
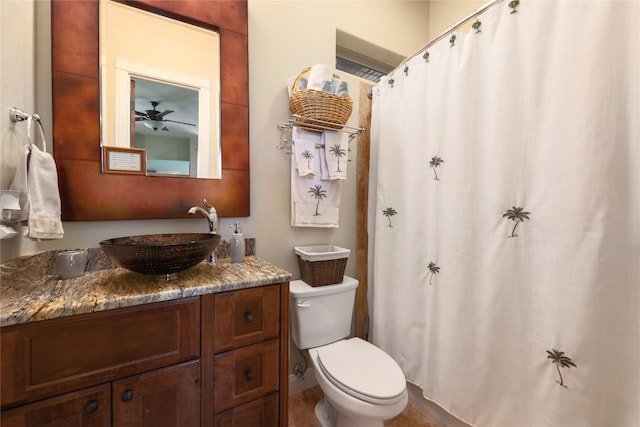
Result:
90,407
168,397
246,317
259,413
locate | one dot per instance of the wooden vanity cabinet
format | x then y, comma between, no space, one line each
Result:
219,360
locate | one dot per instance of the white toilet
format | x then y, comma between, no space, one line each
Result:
362,385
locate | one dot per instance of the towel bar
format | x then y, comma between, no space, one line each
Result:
312,125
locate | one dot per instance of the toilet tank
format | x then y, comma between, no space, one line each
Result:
321,315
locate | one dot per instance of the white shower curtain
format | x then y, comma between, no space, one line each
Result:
505,215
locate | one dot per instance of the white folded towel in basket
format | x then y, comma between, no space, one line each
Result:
320,77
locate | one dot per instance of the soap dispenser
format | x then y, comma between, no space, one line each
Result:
237,244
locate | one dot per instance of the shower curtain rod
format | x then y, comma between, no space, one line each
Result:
449,31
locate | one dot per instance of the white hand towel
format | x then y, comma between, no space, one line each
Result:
19,183
304,149
336,147
44,197
314,203
319,74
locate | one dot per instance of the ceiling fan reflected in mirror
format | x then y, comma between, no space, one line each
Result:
154,119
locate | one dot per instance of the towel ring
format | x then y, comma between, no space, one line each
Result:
16,115
29,125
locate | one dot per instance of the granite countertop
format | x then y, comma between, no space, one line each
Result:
30,292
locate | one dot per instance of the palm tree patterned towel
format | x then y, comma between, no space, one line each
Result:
304,149
336,149
314,202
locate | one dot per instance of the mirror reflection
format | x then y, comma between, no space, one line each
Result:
166,125
160,90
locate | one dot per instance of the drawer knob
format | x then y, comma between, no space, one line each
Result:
249,317
91,407
248,374
127,396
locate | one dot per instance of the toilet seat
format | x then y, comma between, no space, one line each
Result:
362,370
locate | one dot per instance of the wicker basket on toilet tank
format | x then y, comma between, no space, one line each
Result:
322,265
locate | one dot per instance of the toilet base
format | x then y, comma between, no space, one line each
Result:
327,416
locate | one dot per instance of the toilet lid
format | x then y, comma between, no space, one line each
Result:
362,370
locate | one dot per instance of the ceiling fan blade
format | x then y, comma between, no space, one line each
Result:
140,113
182,123
141,119
164,113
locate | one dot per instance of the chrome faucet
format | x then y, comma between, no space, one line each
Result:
211,215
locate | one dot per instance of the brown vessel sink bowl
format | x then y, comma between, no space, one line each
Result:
160,254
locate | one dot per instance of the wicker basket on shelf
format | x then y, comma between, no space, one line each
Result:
333,109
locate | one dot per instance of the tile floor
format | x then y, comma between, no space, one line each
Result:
301,406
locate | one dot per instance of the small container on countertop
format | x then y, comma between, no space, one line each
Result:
237,245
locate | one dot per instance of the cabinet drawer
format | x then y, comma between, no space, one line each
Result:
40,359
246,317
245,374
85,408
259,413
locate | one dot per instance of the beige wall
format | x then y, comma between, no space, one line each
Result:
284,37
445,13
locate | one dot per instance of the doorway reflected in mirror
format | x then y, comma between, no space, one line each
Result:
165,123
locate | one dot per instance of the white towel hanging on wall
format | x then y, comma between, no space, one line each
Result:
44,197
304,149
336,150
314,202
37,179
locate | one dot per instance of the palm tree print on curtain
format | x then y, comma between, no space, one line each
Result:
561,361
338,151
307,155
517,215
317,193
433,270
389,212
433,164
513,4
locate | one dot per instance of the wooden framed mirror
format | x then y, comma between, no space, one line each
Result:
89,195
